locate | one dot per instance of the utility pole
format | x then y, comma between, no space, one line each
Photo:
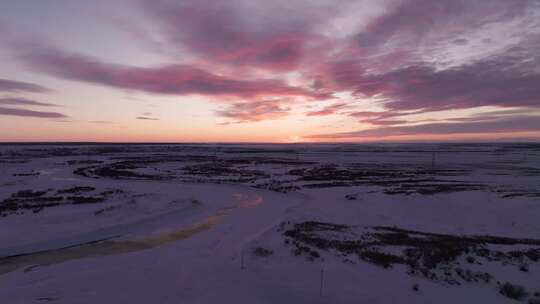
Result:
242,259
322,282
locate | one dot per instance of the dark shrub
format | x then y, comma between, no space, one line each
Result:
512,291
262,252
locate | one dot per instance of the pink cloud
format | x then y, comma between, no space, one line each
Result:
328,110
249,55
171,79
271,35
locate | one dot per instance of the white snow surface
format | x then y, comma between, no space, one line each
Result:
191,240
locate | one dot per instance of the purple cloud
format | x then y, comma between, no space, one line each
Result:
270,35
24,102
500,125
381,118
409,21
172,79
19,86
254,111
30,113
388,64
146,118
504,81
415,56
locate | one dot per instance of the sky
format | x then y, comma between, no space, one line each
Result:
269,71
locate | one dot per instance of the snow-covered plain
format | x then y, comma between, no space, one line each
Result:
387,223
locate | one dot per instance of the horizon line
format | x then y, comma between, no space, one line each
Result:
509,141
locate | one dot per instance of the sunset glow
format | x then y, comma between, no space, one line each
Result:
269,71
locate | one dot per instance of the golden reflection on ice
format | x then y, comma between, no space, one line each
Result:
122,245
